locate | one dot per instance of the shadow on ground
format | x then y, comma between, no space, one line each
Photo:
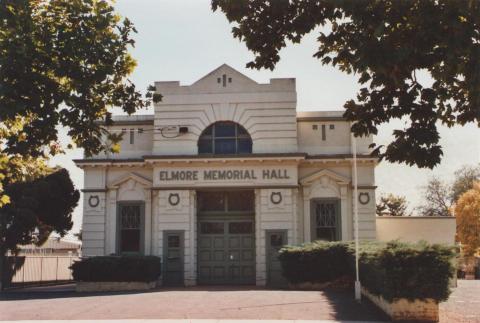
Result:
199,302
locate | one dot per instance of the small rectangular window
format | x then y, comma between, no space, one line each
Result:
132,135
324,133
332,126
140,130
314,127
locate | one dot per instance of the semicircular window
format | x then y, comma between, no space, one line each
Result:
225,138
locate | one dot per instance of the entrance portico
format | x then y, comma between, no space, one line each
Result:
226,205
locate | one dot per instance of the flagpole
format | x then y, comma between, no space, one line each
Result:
358,295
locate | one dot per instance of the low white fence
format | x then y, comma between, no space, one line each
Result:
44,269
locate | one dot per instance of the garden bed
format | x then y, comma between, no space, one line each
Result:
116,273
401,278
113,286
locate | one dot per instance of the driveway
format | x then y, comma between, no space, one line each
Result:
464,303
61,303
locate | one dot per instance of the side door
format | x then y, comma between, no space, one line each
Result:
173,258
276,239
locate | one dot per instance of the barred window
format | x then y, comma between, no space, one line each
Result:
131,228
325,220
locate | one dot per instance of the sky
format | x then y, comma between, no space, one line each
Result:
184,40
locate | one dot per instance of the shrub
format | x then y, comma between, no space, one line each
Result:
412,271
329,261
392,270
117,269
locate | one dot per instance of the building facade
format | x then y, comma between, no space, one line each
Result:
220,176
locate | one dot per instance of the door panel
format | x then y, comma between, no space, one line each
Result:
173,258
226,253
275,241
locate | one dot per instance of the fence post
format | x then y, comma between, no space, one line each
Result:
56,271
41,269
23,271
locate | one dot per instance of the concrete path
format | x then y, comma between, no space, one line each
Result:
463,306
186,304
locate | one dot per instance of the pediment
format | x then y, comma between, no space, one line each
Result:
224,78
339,179
131,177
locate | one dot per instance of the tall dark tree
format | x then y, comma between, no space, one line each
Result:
36,209
386,43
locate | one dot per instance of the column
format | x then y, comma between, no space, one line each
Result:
111,217
148,222
344,214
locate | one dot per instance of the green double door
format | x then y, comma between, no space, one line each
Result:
226,250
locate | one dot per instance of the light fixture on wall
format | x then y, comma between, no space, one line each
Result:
171,132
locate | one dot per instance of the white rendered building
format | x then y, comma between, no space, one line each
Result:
224,173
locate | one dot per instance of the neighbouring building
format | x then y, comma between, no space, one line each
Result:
52,247
220,176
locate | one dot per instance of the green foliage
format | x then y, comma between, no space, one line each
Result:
392,205
37,208
117,269
385,43
412,271
392,270
63,63
328,259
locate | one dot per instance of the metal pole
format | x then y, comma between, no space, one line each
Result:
358,294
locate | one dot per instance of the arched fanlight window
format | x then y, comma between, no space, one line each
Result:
225,138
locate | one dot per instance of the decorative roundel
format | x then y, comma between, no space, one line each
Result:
173,199
276,197
364,198
93,200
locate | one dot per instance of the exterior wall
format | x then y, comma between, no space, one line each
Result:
340,187
94,212
266,111
271,216
180,217
93,225
336,141
142,127
436,229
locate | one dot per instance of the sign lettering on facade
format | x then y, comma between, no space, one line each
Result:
224,174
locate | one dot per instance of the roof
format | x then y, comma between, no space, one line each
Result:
147,119
140,119
332,115
54,243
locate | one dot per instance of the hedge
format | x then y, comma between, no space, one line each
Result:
117,269
392,270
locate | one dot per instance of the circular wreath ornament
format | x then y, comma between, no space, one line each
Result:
173,199
276,197
364,198
93,200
